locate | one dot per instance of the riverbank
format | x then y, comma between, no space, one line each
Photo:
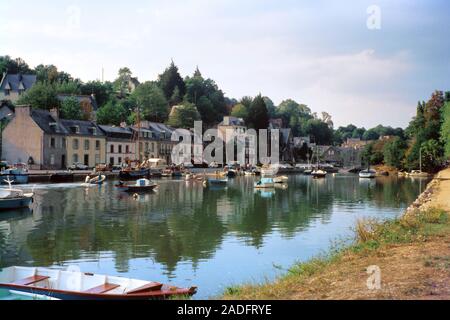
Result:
411,252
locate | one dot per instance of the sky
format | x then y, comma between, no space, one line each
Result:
364,62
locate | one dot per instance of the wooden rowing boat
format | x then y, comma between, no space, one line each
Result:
76,285
141,185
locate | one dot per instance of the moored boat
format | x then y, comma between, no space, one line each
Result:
216,182
367,174
418,174
17,176
76,285
14,198
98,180
317,174
282,179
141,185
265,183
132,174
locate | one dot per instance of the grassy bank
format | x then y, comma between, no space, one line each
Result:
412,252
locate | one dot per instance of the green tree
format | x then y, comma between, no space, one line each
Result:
14,66
51,74
40,96
431,155
112,113
103,92
239,111
394,152
176,97
183,116
321,133
295,116
258,116
445,129
68,87
270,107
171,79
151,99
70,109
121,84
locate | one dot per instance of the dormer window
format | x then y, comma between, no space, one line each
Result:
54,126
75,129
93,131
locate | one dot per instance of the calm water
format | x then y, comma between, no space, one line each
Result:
187,235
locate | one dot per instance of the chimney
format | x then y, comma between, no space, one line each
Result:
55,113
23,111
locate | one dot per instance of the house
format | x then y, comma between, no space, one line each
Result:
86,143
88,104
35,137
120,145
12,86
163,134
276,123
331,155
236,125
286,145
355,143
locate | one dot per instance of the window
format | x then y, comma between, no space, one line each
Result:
86,145
153,147
120,160
111,148
75,129
97,159
75,158
93,131
97,144
146,147
52,159
127,149
75,144
64,143
111,161
52,143
120,148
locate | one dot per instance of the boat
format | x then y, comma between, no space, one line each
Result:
72,284
216,182
62,177
282,179
141,185
19,176
269,170
317,174
98,180
418,174
265,183
133,174
14,198
367,174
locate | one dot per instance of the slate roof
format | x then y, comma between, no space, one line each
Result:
117,132
84,127
232,121
159,129
44,119
80,98
14,82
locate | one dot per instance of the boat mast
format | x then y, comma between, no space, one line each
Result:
420,158
138,117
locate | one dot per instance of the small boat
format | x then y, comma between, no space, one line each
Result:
14,198
19,176
269,171
62,177
250,173
217,182
317,174
307,172
367,174
265,183
282,179
418,174
98,180
141,185
132,174
76,285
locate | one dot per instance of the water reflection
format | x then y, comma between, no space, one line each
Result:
187,223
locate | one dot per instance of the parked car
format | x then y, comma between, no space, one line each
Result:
79,166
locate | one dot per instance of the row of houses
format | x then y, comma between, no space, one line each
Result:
45,142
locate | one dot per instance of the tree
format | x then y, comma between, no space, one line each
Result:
370,134
50,74
176,97
171,79
240,111
14,66
246,101
121,84
103,92
68,87
183,116
367,154
258,116
40,96
445,129
294,115
326,117
320,132
150,98
112,113
71,109
270,107
394,152
431,155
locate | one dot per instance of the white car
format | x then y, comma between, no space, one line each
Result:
79,166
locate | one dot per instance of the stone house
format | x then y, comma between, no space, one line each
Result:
35,137
12,86
120,145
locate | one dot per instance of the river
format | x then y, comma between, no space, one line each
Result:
185,234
